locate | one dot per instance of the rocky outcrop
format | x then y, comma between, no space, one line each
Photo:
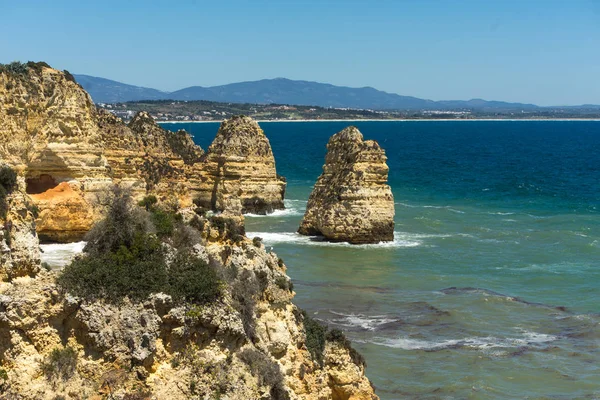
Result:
351,201
240,162
19,245
249,344
70,152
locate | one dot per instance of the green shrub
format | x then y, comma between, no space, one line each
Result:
136,271
8,183
122,224
132,261
69,76
148,202
8,178
284,283
164,222
228,228
60,364
267,372
193,280
315,337
37,66
257,241
15,68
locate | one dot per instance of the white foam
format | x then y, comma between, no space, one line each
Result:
60,254
277,213
369,323
292,208
478,343
429,206
296,238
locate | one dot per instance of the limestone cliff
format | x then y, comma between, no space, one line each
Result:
49,133
19,245
240,162
351,200
250,344
70,152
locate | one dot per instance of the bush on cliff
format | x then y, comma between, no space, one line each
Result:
315,337
135,270
124,257
8,183
123,222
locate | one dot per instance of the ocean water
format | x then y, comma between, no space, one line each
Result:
491,288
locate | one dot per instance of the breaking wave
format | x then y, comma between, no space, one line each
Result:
58,255
366,322
527,338
296,238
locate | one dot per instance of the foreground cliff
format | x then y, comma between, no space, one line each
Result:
351,201
70,153
224,326
239,162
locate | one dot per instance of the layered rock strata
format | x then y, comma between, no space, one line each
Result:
250,344
240,162
351,201
70,152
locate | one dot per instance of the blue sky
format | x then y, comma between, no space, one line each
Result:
544,52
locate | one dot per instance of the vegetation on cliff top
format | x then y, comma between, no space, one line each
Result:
19,68
125,257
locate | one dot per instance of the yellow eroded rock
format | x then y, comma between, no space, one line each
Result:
351,200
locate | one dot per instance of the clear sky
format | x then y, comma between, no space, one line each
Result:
544,52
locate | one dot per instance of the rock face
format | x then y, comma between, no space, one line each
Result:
70,153
19,245
251,344
351,200
240,162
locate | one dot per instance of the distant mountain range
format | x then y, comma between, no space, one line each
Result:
287,91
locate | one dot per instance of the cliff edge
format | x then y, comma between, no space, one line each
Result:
220,323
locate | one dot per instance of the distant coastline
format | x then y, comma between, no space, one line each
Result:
401,120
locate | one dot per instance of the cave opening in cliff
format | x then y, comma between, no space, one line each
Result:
40,184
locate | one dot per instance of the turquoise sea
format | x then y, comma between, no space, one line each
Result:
491,288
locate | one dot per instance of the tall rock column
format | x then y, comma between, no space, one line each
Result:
351,201
240,162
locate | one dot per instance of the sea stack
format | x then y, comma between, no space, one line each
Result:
351,201
240,161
